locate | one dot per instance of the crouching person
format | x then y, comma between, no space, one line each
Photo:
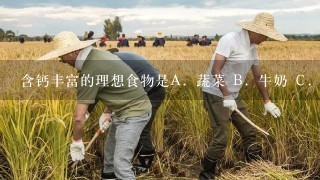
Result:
141,42
130,104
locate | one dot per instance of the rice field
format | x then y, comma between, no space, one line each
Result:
35,123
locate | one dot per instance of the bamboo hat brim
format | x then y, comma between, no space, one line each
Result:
263,24
159,35
64,43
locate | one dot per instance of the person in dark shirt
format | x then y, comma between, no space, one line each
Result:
141,42
205,41
159,41
195,39
90,37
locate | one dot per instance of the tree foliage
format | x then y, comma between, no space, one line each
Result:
113,28
10,33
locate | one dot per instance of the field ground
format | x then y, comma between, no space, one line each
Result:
35,123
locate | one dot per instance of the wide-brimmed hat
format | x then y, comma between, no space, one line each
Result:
263,23
64,43
159,35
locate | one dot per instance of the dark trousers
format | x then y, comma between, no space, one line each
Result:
221,117
145,146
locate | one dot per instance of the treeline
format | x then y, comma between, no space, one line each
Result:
112,29
303,37
10,36
296,37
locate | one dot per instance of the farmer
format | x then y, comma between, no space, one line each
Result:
141,42
156,93
189,42
236,53
90,37
205,41
195,39
130,104
123,41
103,41
159,41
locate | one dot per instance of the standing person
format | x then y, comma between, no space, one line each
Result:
130,104
145,150
236,53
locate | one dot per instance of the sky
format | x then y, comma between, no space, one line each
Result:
146,17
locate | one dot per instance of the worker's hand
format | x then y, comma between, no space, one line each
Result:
77,150
229,102
272,109
105,121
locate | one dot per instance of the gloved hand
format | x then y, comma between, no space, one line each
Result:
229,102
105,121
77,150
272,109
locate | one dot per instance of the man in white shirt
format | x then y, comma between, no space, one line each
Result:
235,55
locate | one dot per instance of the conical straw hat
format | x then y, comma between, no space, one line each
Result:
159,35
263,23
64,43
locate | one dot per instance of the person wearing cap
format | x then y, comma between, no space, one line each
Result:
130,104
145,150
236,53
141,42
159,41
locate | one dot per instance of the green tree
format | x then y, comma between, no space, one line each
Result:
113,33
109,29
10,35
217,37
106,27
117,26
112,28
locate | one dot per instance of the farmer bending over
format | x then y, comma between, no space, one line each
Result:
130,104
236,53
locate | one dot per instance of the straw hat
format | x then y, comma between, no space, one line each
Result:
159,35
64,43
263,23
